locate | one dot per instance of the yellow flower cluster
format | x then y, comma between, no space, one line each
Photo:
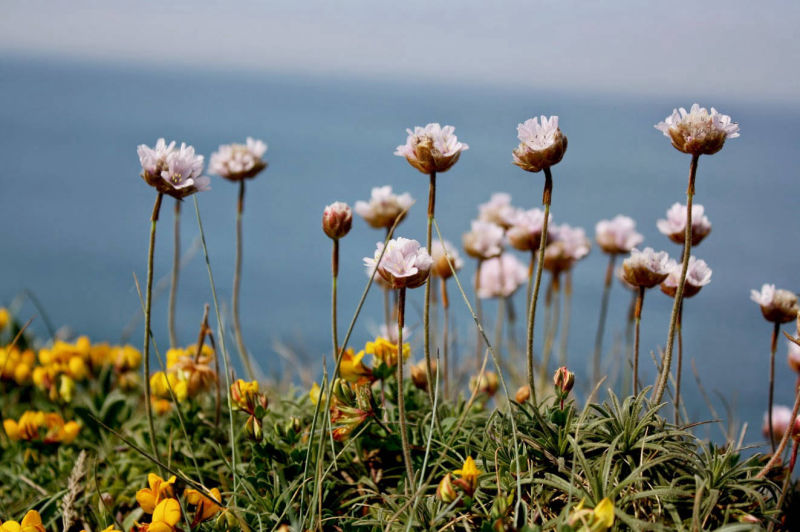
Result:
467,481
5,318
188,374
41,426
385,351
32,522
158,499
16,365
599,519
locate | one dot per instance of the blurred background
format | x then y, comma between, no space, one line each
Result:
331,88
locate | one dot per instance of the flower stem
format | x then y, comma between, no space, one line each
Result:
637,316
237,279
629,321
552,299
601,322
387,314
401,404
546,197
788,478
679,332
445,338
335,276
426,313
176,266
773,348
661,384
147,311
776,455
562,352
478,312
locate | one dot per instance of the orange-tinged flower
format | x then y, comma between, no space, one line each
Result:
5,317
32,522
159,490
386,351
165,516
206,508
314,394
244,393
352,369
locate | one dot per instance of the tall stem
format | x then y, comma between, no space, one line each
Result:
387,314
629,321
551,329
601,322
562,354
426,313
773,348
401,403
479,313
445,338
335,277
237,279
176,266
546,197
637,316
661,384
148,303
679,332
776,455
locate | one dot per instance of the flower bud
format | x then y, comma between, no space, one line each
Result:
419,375
446,492
337,219
487,383
343,392
563,380
523,394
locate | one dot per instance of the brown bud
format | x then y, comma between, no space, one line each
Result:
337,219
523,394
563,380
446,492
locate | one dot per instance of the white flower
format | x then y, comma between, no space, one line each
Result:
390,333
698,274
440,253
779,306
781,422
501,276
238,161
645,268
383,207
675,224
404,264
698,132
541,144
497,210
484,240
176,172
432,148
793,356
569,245
526,229
617,235
337,219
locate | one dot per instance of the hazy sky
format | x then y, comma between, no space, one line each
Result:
724,49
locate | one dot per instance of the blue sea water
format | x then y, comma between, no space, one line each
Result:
74,213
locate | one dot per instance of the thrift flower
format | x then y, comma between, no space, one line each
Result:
405,264
777,306
617,235
501,276
337,218
698,274
432,148
497,210
569,245
793,356
440,252
645,268
172,171
525,232
698,132
239,161
781,422
484,240
674,226
541,144
384,207
158,491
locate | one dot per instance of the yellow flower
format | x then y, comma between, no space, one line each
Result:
12,429
66,388
165,516
160,406
159,490
314,394
386,351
243,394
469,474
32,522
5,317
206,508
598,520
352,369
109,528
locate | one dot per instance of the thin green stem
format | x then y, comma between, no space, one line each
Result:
176,267
426,313
773,348
335,276
601,322
401,403
554,298
562,351
147,311
679,369
237,280
661,384
479,312
776,455
637,316
546,198
445,338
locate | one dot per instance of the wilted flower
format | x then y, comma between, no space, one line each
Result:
541,145
238,161
793,356
645,268
525,233
484,240
158,491
781,422
675,224
384,207
172,171
617,235
501,276
337,219
777,305
405,264
698,274
432,148
440,253
497,210
698,132
569,245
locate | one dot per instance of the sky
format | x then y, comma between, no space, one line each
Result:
730,49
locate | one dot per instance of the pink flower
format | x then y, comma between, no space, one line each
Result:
793,356
337,219
176,172
675,224
501,276
440,252
432,148
404,264
778,306
645,268
239,161
569,246
497,210
698,274
541,144
781,421
484,240
698,132
526,229
383,207
617,235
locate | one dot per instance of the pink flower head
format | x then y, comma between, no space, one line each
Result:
501,276
405,264
432,148
526,229
239,161
781,422
675,224
793,356
541,144
778,306
172,171
698,132
569,245
497,210
645,268
337,219
698,274
484,240
617,235
440,252
384,207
